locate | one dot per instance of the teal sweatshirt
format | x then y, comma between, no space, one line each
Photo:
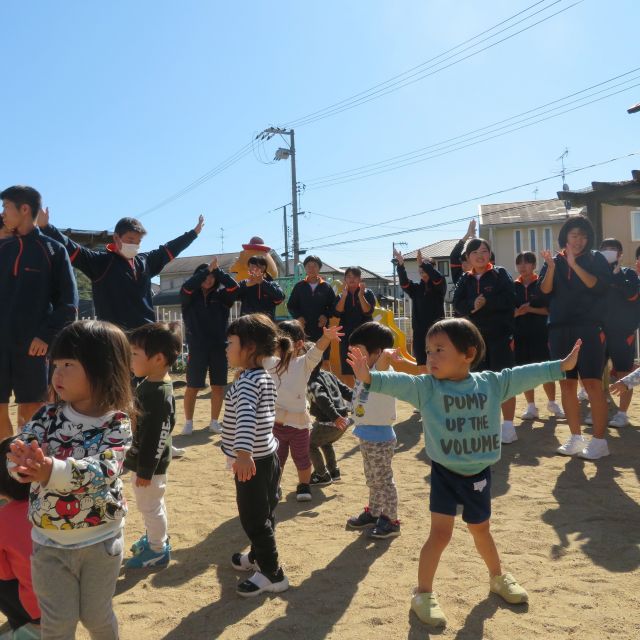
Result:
461,419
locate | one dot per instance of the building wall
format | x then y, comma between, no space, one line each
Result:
618,222
504,245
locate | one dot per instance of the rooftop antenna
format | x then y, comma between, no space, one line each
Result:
221,239
563,173
535,193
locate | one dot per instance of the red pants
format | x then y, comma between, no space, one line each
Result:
297,440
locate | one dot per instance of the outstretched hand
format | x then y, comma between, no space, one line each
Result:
198,227
571,360
42,219
213,265
618,388
547,256
333,333
358,362
398,256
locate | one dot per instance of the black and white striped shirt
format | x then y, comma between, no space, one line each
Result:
249,414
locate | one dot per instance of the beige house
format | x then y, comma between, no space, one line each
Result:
614,211
512,227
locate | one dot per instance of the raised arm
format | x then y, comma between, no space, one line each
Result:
164,254
547,273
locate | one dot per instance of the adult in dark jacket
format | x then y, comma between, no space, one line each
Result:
312,301
577,281
38,297
206,298
621,322
354,307
259,293
427,297
121,275
485,295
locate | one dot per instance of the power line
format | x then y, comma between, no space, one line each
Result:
413,75
453,204
495,126
470,142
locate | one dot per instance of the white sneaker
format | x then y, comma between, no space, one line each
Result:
509,434
588,419
177,452
187,430
573,446
531,413
555,409
619,420
215,427
596,449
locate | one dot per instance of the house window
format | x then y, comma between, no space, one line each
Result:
532,240
517,237
548,243
635,226
443,267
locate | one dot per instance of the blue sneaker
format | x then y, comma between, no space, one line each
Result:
385,528
148,558
140,545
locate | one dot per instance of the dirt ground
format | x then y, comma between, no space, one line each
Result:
568,529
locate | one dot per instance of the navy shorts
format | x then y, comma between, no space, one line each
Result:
212,360
498,354
24,375
449,489
592,357
419,347
622,350
531,349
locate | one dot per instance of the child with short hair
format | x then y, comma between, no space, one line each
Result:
248,443
154,349
374,415
329,404
290,370
72,454
259,293
18,602
461,418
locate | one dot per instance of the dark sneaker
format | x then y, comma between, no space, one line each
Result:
364,520
385,528
335,475
259,583
303,493
319,480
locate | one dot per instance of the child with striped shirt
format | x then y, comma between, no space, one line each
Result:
248,443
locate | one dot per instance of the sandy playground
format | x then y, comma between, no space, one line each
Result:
568,529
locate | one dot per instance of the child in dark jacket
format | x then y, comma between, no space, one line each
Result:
328,404
154,348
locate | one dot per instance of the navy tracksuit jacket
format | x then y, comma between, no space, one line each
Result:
122,288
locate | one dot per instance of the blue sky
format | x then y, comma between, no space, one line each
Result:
110,108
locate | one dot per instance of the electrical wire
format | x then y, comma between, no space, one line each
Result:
475,133
453,204
412,75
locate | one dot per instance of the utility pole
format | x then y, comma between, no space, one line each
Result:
286,240
284,154
221,239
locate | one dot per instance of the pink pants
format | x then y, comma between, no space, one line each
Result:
297,440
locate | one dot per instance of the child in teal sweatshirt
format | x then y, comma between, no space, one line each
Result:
461,417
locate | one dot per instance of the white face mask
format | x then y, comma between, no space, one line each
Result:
610,255
129,251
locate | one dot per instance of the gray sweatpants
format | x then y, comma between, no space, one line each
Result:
77,585
383,496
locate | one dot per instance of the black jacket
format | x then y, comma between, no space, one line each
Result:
530,324
150,452
353,315
623,306
260,298
495,319
206,316
328,397
38,294
427,297
455,261
310,304
571,302
122,288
